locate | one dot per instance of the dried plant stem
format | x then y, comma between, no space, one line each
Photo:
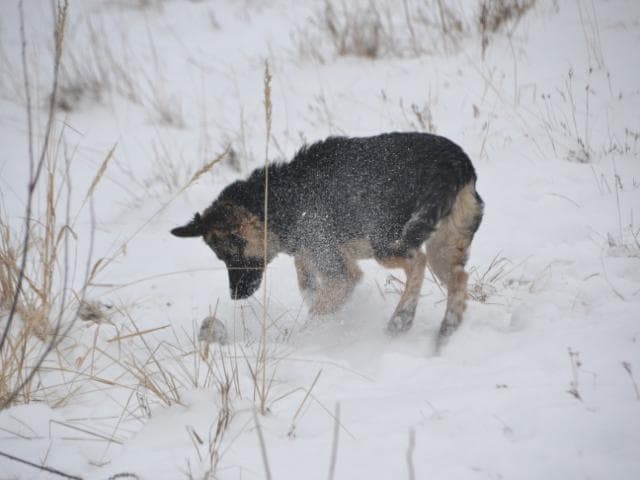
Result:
99,174
407,15
137,334
104,262
574,385
88,432
204,169
627,367
263,336
443,21
263,447
410,449
334,443
40,467
313,384
27,87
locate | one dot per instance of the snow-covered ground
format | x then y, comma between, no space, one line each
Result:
541,380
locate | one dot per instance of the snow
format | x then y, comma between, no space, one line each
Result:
555,266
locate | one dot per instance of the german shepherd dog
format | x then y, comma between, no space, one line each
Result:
344,199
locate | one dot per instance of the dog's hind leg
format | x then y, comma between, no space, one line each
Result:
447,253
414,265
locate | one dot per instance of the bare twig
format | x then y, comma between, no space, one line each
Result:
334,443
263,447
137,334
410,449
627,367
574,358
27,87
88,432
313,384
40,467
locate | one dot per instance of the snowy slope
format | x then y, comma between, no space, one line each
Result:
532,386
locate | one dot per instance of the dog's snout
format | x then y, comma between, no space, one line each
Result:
243,282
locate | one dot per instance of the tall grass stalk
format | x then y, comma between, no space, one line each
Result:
262,353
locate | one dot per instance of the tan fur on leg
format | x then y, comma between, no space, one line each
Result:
307,277
447,251
456,304
304,272
414,266
330,293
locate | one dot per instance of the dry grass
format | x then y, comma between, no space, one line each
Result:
42,291
45,299
570,139
16,356
625,240
101,62
487,283
171,175
355,30
159,369
375,29
92,69
499,15
372,30
28,281
420,119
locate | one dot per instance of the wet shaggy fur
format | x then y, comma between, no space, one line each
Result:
343,199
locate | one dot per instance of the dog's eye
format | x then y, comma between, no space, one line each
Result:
232,245
235,240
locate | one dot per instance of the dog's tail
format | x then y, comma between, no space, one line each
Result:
463,203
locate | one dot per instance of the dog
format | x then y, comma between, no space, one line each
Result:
344,199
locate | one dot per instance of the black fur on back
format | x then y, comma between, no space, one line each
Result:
391,189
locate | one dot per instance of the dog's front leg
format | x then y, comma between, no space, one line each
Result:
331,294
331,279
307,277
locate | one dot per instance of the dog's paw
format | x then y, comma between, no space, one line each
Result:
400,322
446,330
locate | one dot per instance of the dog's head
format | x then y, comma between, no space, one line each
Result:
237,238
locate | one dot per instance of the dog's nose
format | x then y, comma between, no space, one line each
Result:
237,294
243,282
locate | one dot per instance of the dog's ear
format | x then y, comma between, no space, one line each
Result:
194,228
